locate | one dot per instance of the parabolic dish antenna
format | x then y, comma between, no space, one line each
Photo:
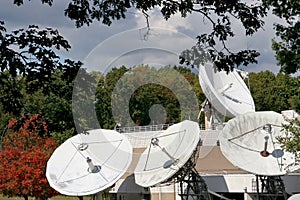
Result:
250,142
294,197
88,163
227,92
167,153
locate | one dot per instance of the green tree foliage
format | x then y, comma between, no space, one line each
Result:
33,79
55,106
275,92
287,46
218,14
287,49
150,95
4,120
11,93
31,54
124,92
104,93
290,140
85,98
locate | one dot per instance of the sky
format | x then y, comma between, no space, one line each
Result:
127,41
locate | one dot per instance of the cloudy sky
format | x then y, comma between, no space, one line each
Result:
127,41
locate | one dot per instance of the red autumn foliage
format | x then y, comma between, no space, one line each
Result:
24,156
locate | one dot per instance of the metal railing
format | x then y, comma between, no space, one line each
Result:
147,128
159,127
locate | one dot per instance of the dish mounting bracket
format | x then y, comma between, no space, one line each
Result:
212,117
270,188
192,185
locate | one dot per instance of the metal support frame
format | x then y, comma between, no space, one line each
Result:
195,189
271,188
192,185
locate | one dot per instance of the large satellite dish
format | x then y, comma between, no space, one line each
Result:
88,163
167,153
227,92
294,197
249,141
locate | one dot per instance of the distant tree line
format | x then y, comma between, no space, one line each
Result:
270,92
36,85
45,117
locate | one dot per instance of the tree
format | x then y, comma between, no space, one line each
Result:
287,49
277,93
26,150
274,92
294,99
130,96
55,106
287,46
290,140
30,56
34,79
219,14
103,96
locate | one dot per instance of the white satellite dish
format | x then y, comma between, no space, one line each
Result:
249,142
167,153
294,197
88,163
227,92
